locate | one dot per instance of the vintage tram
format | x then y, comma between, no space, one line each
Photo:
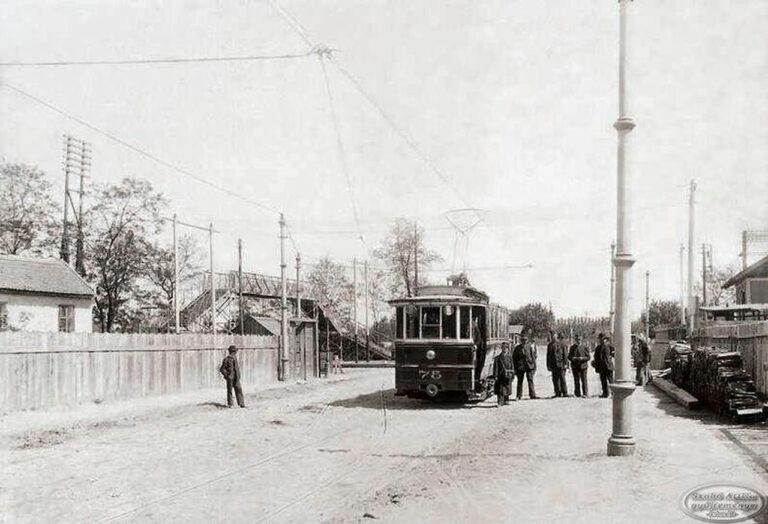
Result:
445,342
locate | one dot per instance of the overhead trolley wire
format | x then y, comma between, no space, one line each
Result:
140,151
170,60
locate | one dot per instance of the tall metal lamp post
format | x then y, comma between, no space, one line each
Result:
621,441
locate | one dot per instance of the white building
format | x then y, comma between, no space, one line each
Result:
43,294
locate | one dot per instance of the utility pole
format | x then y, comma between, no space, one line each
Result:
367,328
213,281
621,441
354,304
298,287
283,369
415,260
240,285
64,249
704,274
743,250
85,164
612,310
691,253
176,307
299,314
647,305
682,286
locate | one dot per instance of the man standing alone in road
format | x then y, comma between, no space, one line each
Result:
557,364
524,359
603,363
230,369
579,358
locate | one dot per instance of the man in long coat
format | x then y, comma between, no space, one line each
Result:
524,358
230,370
557,364
504,373
602,361
579,358
641,356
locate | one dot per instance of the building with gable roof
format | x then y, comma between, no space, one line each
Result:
43,294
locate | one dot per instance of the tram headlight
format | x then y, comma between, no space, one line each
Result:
431,354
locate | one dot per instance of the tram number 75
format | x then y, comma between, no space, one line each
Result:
426,374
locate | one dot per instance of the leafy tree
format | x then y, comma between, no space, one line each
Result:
535,317
27,211
662,312
160,270
716,293
397,251
332,288
122,222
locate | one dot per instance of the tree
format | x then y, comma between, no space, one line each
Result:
662,312
397,251
160,271
718,295
27,211
122,222
332,288
535,317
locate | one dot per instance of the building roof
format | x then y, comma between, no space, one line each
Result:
757,270
41,276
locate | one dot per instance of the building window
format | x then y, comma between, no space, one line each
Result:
67,319
3,316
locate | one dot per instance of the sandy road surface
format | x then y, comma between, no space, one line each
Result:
352,452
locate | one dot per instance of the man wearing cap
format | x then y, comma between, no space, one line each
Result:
230,370
504,373
557,363
524,359
578,355
602,361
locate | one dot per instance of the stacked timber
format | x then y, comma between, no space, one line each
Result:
679,357
717,378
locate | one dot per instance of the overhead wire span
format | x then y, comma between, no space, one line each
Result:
340,149
140,151
150,61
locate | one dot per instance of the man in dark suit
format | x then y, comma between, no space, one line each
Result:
524,359
602,361
579,358
557,363
230,369
504,373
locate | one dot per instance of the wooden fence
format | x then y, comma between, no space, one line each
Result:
47,369
750,339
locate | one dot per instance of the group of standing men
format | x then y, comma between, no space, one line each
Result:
521,362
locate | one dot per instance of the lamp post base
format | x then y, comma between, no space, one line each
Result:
621,446
622,443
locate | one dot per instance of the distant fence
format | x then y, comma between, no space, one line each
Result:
750,339
48,369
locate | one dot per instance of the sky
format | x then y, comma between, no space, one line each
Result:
511,101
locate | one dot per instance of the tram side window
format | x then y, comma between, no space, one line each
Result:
412,322
449,321
430,322
399,322
464,326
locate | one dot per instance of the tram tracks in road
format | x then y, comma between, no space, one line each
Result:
253,465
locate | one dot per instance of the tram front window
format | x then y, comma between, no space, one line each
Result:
430,322
449,321
411,322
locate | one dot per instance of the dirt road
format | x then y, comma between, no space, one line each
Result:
352,452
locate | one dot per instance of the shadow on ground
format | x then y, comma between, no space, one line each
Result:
387,399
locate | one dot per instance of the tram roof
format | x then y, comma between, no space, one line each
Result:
463,294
